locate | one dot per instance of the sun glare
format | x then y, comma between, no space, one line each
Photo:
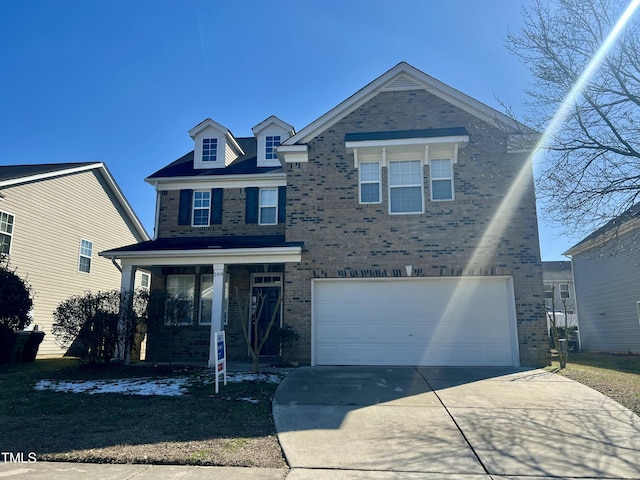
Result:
504,214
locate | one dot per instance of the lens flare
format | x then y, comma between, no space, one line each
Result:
522,183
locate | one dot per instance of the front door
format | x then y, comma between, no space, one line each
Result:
266,304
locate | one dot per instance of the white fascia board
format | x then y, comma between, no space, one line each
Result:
144,236
220,181
600,240
407,141
102,168
293,153
432,85
208,256
44,176
273,120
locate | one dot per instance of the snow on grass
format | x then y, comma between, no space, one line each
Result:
169,386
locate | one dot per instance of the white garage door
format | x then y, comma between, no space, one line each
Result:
462,321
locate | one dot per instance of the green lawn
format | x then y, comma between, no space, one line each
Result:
199,428
617,376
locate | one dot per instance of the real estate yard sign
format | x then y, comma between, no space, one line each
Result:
221,358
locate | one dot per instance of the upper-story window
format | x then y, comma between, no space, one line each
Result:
209,149
268,213
441,179
86,251
201,208
406,187
6,232
270,148
370,182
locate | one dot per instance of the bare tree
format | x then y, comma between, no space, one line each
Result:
591,173
259,336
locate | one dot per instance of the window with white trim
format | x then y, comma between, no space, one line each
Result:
86,251
272,141
6,232
145,280
441,179
206,298
370,182
179,304
268,206
406,187
209,149
201,208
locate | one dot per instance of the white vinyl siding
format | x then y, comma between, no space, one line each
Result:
607,292
406,188
59,208
370,182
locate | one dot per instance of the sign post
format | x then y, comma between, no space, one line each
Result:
221,358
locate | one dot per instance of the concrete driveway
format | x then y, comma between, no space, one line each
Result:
472,423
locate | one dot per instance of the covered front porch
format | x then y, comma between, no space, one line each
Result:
203,285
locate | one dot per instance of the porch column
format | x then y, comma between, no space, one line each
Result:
217,309
127,287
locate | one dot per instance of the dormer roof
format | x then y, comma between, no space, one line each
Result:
273,120
209,123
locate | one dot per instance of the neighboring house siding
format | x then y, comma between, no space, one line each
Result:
606,281
51,218
233,217
345,239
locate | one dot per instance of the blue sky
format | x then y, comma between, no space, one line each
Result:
122,81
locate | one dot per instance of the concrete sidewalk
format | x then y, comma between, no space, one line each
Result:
428,423
84,471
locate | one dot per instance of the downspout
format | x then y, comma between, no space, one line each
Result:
113,260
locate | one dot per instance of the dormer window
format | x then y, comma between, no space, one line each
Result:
214,145
270,133
271,143
209,149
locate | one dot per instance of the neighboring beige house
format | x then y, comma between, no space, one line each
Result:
386,232
54,219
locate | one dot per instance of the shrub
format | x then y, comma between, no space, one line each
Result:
88,324
15,300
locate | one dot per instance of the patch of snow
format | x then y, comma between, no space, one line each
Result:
134,386
172,386
250,400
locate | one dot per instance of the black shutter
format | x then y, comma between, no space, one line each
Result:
184,209
251,211
216,206
282,204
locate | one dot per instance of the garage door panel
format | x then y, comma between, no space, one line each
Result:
463,321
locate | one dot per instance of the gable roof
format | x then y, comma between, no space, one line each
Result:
625,222
12,175
406,77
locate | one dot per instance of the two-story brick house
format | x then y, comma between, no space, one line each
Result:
398,228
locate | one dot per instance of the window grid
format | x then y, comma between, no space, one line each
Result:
441,179
6,232
86,250
271,143
370,182
209,149
201,208
405,187
268,206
